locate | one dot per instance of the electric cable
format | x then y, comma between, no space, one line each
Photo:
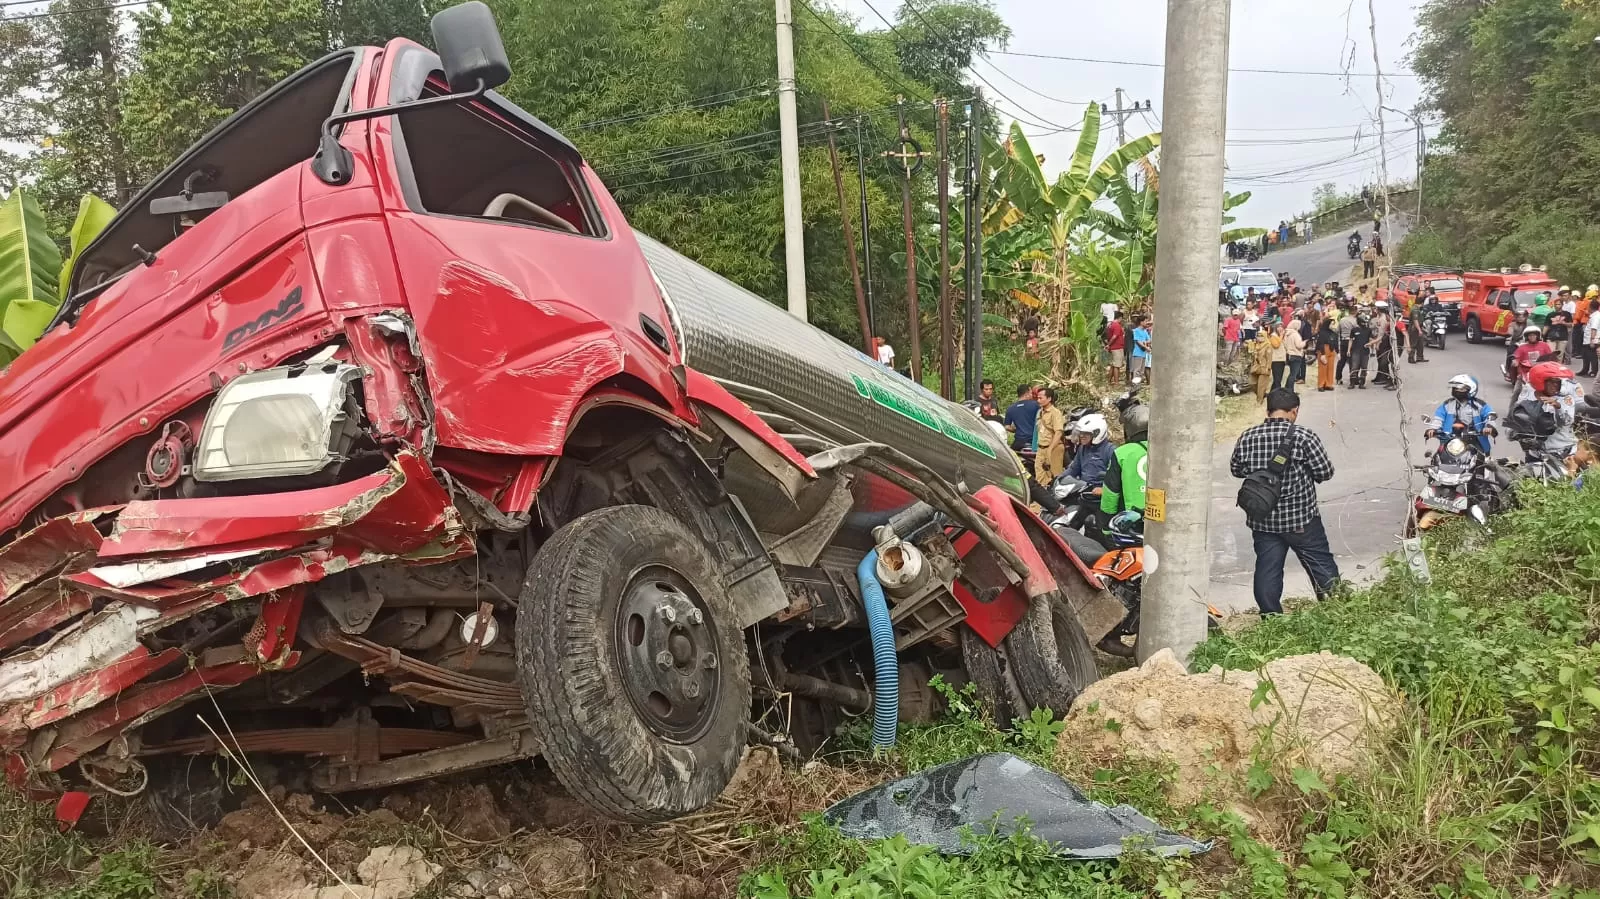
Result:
733,96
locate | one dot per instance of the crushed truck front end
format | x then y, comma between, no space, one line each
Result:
374,437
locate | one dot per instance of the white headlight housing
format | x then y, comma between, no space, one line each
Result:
1456,446
279,422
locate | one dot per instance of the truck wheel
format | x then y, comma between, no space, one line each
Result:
631,665
995,677
1050,655
1474,330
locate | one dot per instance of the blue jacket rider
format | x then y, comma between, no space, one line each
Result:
1091,462
1465,407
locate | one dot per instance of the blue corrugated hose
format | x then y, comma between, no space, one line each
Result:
885,660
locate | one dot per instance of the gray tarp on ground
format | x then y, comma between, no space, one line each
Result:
989,793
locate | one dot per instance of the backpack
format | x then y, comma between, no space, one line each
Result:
1259,493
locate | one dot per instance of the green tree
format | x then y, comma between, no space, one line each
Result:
199,60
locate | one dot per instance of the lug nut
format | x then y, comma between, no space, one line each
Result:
667,613
708,661
664,659
696,616
691,690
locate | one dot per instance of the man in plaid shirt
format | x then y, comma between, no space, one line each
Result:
1294,523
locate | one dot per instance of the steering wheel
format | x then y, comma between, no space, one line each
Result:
497,209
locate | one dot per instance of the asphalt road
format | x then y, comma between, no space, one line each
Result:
1364,505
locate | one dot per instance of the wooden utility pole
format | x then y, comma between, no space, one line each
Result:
972,265
866,229
947,324
849,238
910,156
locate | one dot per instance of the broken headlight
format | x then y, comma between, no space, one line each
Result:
279,422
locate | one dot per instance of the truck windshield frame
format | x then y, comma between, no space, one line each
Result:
241,158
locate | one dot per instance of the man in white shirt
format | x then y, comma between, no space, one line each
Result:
885,353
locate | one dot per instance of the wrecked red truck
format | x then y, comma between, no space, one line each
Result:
371,435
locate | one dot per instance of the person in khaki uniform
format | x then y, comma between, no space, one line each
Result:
1051,460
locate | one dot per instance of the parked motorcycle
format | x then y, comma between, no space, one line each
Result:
1529,424
1120,561
1077,505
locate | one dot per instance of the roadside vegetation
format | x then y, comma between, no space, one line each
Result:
1488,788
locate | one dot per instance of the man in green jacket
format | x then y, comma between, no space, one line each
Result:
1124,485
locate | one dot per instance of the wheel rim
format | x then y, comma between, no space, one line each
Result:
668,654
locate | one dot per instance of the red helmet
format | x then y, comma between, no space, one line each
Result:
1539,376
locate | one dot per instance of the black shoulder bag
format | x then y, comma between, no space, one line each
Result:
1258,495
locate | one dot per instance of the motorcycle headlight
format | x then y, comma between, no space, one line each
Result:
279,422
1455,447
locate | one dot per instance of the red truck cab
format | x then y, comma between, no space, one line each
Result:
372,423
1489,300
1410,282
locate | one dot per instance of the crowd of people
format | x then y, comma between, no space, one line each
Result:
1283,333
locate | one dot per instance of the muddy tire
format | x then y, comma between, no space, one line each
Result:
995,677
1051,656
631,664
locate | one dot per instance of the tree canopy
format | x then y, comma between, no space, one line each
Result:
1512,176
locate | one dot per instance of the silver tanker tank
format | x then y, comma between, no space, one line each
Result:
817,389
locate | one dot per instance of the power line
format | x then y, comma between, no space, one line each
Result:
733,96
904,88
1039,120
67,12
1157,65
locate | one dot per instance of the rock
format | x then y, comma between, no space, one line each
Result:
1323,713
651,879
396,872
271,874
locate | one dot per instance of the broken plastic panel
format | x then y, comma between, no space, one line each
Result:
945,806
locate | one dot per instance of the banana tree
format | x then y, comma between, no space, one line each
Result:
1111,273
1137,210
1024,192
33,275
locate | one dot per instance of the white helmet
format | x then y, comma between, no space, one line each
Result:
1532,329
1094,424
1000,432
1464,382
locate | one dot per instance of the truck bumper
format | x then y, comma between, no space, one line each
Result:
100,580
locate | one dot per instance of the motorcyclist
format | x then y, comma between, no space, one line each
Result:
1462,411
1532,351
1552,385
1094,450
1125,477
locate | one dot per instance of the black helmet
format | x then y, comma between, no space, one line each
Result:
1136,423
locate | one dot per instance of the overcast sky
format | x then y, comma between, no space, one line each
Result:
1337,113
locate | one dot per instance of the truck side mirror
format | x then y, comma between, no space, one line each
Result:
470,47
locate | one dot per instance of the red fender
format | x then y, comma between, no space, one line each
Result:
705,392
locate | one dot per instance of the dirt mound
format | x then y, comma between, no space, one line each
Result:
387,872
1323,712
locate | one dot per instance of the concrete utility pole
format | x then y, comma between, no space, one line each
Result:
1195,97
794,239
1122,135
